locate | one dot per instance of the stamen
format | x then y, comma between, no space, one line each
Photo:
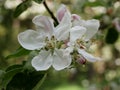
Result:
53,38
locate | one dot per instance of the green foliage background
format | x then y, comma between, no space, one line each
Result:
16,72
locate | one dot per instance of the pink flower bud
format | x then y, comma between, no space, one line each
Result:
75,17
81,60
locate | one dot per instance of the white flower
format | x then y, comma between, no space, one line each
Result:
91,25
82,31
50,40
76,44
35,40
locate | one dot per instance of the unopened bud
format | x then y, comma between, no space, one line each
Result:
75,17
81,60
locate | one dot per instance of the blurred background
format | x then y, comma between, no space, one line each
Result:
102,75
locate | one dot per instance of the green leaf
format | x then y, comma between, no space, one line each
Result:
13,67
1,77
1,73
25,80
9,75
38,1
19,52
38,86
112,36
22,7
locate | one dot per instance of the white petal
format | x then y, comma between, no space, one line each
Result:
68,50
44,24
88,56
43,61
31,40
60,60
60,12
62,30
92,28
76,33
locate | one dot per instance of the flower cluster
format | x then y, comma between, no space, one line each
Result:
61,45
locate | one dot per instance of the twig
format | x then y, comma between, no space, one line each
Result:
50,12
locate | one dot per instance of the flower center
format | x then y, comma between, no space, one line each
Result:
53,43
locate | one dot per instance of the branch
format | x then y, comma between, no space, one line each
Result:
50,12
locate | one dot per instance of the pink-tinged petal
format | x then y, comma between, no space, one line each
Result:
44,24
77,32
43,61
62,30
31,40
60,12
66,19
92,28
88,56
60,60
76,20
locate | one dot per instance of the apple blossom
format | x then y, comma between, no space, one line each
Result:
59,45
78,37
46,38
49,40
77,45
91,25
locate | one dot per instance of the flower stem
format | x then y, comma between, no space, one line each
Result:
50,12
38,86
